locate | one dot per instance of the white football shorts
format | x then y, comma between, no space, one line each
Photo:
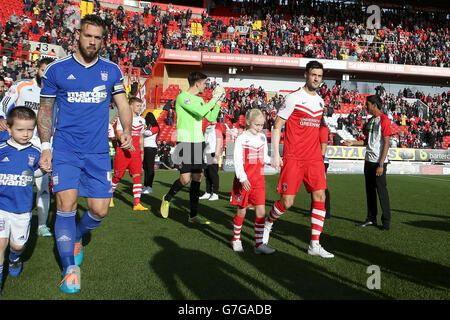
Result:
15,226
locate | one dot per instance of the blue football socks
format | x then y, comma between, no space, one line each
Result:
65,232
87,223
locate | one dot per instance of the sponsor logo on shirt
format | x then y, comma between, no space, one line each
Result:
309,122
16,180
97,95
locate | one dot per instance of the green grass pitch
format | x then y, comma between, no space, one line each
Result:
145,257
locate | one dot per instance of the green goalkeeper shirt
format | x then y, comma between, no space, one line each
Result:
190,111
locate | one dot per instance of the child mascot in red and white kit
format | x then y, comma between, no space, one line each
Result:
250,155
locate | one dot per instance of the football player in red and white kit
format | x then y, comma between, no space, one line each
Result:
131,159
250,154
302,160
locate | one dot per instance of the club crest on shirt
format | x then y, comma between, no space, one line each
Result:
104,75
31,159
55,179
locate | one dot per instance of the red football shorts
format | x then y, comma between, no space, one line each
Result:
124,160
294,172
256,196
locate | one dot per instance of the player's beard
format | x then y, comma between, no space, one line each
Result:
38,79
311,86
88,56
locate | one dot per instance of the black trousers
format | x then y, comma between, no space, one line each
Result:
212,178
377,185
149,166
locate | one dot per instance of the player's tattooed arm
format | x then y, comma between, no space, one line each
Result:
45,118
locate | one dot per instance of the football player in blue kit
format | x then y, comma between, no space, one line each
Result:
82,85
18,167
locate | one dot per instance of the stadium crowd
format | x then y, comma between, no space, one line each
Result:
311,29
308,28
427,123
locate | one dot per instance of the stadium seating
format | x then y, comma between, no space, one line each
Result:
10,7
446,142
198,28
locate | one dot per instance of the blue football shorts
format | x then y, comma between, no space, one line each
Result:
90,173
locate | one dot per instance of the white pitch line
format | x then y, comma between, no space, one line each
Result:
424,177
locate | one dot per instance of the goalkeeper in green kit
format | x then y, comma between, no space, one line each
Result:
188,154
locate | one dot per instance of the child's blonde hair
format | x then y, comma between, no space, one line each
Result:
251,115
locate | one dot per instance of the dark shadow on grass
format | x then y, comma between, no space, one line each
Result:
353,221
433,225
128,189
222,195
152,203
119,196
421,214
206,277
302,288
308,280
426,273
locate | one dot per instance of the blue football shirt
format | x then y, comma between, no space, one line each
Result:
17,166
83,95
